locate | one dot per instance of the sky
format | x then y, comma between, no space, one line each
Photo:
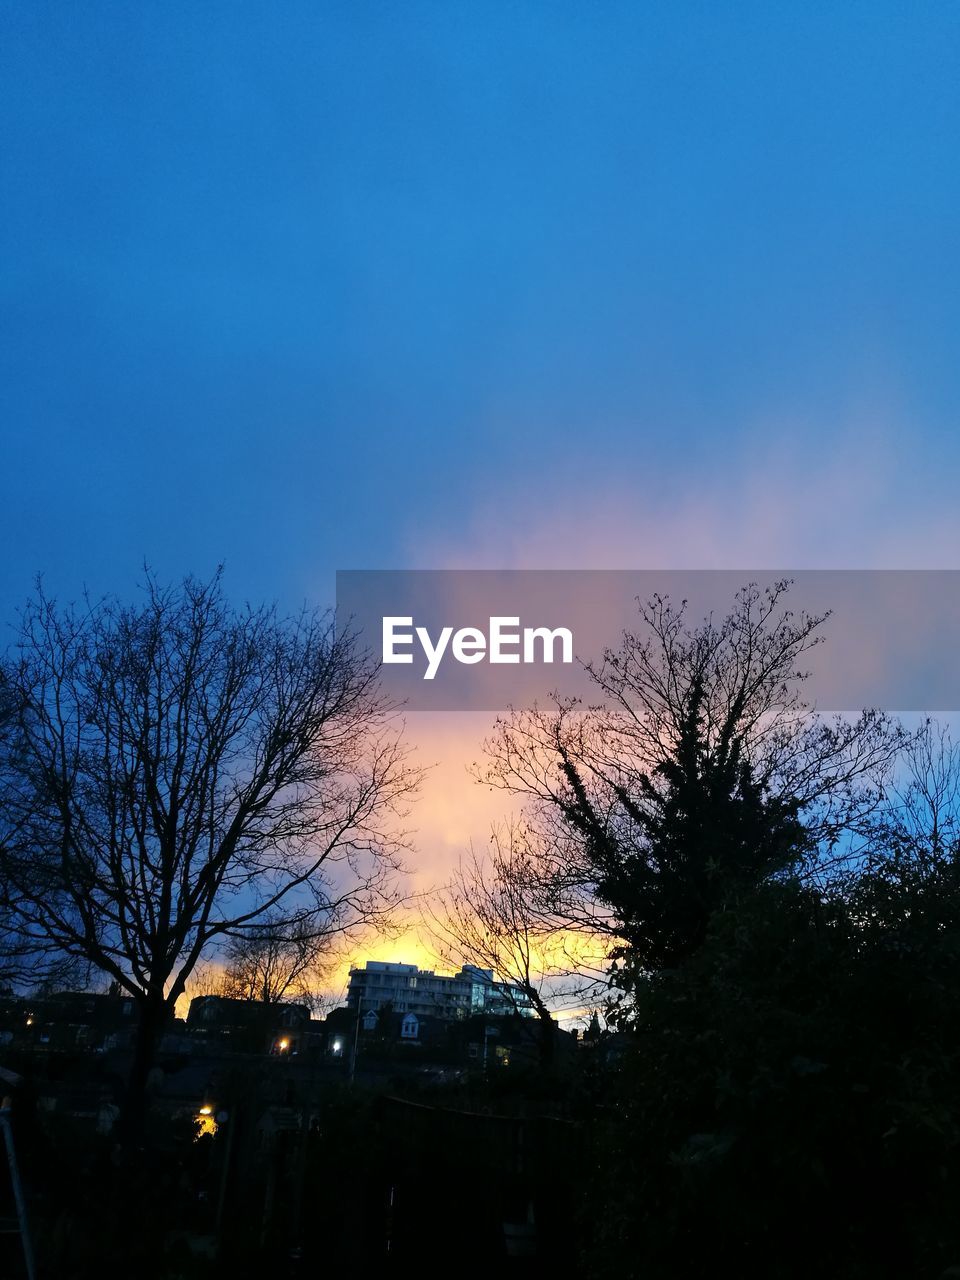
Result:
313,286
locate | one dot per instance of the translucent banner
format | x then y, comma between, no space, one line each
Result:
487,639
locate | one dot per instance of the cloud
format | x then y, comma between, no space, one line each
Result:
785,496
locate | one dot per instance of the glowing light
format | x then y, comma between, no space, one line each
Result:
206,1124
283,1045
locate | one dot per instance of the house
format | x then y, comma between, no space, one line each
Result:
250,1025
69,1020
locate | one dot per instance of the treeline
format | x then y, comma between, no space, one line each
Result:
760,902
789,1102
775,896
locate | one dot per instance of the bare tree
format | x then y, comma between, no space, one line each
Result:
492,915
700,769
912,864
181,772
922,815
26,962
278,960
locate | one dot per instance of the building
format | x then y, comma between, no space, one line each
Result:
68,1020
250,1024
408,989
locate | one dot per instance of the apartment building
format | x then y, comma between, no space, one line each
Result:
408,989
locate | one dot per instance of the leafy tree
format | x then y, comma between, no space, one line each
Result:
788,1100
181,772
700,773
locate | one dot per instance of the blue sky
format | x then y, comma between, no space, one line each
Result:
307,286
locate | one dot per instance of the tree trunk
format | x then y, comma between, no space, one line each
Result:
152,1017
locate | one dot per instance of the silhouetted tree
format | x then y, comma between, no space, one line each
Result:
788,1101
702,772
921,815
488,915
180,772
908,883
278,960
27,962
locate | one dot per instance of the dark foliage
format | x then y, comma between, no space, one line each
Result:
790,1101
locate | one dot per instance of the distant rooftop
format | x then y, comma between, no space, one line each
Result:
393,966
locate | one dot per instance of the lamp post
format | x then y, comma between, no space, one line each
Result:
356,1039
24,1230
